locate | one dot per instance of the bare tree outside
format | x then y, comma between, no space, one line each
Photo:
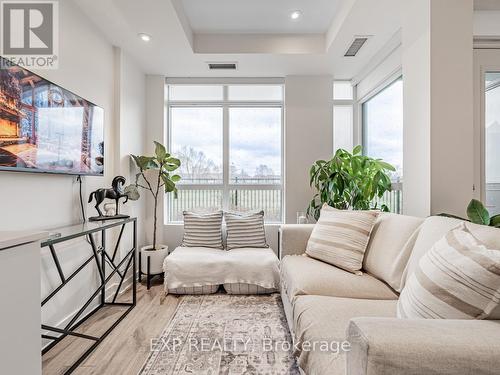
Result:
196,165
263,171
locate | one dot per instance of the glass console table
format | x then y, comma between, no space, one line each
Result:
107,266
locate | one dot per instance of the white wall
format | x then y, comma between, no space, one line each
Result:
130,106
87,66
438,106
308,136
416,104
486,23
156,131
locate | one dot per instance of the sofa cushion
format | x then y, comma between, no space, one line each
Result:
340,237
320,319
389,346
188,267
303,275
205,289
245,229
203,229
434,228
390,246
244,288
458,278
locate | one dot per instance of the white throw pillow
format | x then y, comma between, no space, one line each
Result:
458,278
203,229
340,237
245,229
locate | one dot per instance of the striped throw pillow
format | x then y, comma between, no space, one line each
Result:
203,229
340,237
245,229
458,278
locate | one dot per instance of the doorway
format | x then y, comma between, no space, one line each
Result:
487,123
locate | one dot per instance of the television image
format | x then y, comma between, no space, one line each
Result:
45,128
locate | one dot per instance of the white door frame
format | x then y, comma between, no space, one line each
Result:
485,60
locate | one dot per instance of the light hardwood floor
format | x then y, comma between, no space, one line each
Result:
126,347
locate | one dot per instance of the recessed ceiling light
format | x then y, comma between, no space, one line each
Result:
295,15
144,37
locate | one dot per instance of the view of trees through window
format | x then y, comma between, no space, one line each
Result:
254,146
196,139
231,150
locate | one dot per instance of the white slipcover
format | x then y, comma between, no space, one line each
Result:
189,267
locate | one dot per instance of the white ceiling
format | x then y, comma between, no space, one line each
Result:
259,16
177,50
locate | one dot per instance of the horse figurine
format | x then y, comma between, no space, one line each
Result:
115,193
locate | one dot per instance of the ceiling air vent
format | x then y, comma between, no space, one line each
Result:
222,66
356,46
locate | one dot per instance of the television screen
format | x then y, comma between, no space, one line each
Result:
45,128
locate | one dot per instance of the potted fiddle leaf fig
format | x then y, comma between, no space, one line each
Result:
156,176
349,181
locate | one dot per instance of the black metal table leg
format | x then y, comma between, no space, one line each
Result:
140,266
134,269
99,294
149,273
103,264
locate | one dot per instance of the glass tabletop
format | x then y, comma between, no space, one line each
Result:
73,231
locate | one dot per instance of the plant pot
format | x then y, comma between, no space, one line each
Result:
156,258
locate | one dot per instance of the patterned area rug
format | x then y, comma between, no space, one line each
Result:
224,334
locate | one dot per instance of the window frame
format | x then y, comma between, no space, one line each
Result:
388,83
346,103
487,187
226,105
360,133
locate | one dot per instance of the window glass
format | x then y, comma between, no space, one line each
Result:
256,92
342,90
383,126
269,200
342,127
206,199
255,145
195,93
196,139
241,172
492,141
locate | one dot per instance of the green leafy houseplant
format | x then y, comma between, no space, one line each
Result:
349,181
478,214
155,175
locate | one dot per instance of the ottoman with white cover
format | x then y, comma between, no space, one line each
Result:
201,270
201,264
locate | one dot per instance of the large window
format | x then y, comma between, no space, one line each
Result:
382,128
343,115
229,140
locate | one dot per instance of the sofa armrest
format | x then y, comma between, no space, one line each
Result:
392,346
293,238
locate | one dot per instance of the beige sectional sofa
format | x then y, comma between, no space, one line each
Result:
324,303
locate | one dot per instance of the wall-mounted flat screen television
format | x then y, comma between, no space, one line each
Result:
46,128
